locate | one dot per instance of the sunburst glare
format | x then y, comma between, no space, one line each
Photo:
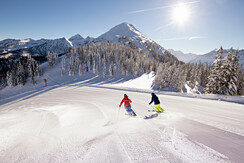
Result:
181,14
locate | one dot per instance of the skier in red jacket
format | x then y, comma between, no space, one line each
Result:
127,105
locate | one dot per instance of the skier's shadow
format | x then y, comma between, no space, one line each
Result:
151,116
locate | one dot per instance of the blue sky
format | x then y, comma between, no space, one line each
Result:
210,24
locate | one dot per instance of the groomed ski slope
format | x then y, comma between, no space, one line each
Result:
77,119
80,123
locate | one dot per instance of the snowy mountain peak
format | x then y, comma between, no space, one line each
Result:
76,37
124,33
123,29
21,42
128,35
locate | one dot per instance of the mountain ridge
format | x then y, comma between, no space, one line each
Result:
184,57
123,33
205,58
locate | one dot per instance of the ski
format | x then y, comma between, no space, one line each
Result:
152,110
155,111
130,115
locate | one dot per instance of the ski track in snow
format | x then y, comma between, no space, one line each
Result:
76,123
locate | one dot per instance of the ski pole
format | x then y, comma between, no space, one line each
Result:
153,109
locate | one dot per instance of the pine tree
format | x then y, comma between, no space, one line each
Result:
111,70
63,67
94,65
10,79
80,69
3,82
31,72
20,74
104,68
38,69
233,81
52,59
240,86
204,76
215,79
223,78
76,64
182,78
71,71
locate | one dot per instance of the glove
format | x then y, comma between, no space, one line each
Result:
119,106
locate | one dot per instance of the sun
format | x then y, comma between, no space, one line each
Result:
180,13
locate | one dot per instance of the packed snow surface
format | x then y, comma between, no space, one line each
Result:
145,81
84,124
78,119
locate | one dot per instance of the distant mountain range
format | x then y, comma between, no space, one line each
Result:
32,47
185,57
123,33
205,58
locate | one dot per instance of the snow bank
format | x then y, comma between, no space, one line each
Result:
143,82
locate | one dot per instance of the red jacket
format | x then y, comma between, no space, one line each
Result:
126,100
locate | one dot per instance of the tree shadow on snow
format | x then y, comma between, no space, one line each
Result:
91,80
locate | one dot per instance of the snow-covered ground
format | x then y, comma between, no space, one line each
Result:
77,119
144,82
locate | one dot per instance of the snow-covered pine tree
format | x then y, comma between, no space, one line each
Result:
20,74
88,66
111,71
76,64
55,56
137,69
97,65
104,68
233,84
9,79
80,69
71,66
158,79
63,67
215,79
114,69
198,77
38,69
182,77
52,59
240,86
226,73
205,74
94,66
31,72
174,74
193,75
3,82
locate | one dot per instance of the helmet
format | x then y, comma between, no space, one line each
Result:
125,95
